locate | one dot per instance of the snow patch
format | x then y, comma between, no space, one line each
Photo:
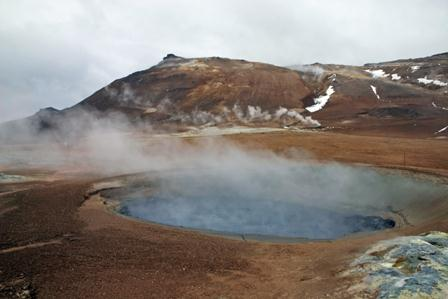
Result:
377,73
375,92
415,68
424,80
333,77
439,83
321,101
438,107
441,130
396,77
427,81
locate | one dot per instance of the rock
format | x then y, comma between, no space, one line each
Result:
171,56
405,267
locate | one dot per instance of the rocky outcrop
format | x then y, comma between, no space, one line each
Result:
405,267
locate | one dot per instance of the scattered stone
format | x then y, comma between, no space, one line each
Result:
405,267
19,287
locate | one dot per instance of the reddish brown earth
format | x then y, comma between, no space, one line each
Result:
204,84
58,243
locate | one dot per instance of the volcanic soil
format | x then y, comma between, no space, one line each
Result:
59,241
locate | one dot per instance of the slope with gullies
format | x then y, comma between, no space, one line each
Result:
403,97
202,91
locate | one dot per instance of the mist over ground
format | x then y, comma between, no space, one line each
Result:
214,184
247,193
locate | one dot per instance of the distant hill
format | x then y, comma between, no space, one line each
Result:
403,97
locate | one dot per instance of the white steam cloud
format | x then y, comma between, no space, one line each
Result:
315,72
127,97
222,179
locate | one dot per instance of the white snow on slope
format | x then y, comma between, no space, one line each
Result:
427,81
415,68
320,102
439,107
396,77
441,130
374,91
424,80
377,73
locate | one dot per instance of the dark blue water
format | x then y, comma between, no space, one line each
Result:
229,214
311,201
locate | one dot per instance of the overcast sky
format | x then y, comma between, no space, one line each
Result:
55,53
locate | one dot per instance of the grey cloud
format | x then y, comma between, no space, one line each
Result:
55,53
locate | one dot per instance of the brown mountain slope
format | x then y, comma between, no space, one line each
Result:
404,97
178,85
391,98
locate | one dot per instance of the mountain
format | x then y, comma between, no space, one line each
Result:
402,97
205,84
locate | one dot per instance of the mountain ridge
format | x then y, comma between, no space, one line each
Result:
408,95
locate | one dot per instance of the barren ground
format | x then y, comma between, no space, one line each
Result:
56,243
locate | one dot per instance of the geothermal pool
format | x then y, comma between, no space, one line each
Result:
10,178
326,201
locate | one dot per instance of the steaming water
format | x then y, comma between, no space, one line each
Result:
306,201
252,216
9,178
